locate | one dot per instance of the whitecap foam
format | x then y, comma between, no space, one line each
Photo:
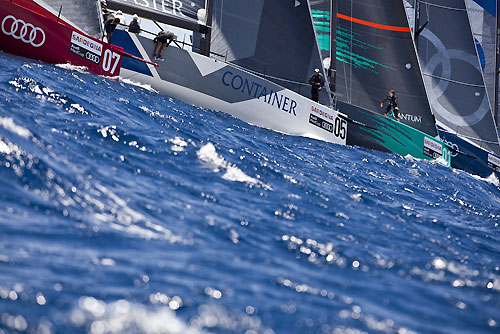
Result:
493,179
179,144
143,86
210,158
8,124
80,69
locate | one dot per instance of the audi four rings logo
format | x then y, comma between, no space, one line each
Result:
26,32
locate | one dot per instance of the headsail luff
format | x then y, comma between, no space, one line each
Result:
453,74
270,37
376,53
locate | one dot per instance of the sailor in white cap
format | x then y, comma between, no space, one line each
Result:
317,82
121,25
134,25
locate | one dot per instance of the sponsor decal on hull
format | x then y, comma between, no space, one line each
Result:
260,92
432,149
493,162
86,48
338,127
23,31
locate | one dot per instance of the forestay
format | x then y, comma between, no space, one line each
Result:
453,73
375,53
270,37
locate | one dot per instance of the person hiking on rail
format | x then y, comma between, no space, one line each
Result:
392,108
317,82
134,25
163,40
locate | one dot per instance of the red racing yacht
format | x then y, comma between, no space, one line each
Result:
59,32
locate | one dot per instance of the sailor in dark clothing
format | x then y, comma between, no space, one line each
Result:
163,40
134,25
106,13
110,26
317,82
392,108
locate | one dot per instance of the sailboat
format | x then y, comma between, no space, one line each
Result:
373,52
58,32
456,68
253,61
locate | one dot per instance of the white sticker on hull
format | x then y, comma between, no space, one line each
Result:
432,149
494,162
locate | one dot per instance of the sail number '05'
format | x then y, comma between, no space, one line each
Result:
107,61
338,127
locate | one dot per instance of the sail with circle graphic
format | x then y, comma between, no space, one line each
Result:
453,73
482,15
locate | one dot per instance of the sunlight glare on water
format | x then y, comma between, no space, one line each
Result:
123,211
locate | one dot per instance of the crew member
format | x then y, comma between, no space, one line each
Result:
121,25
134,25
110,26
163,40
317,82
392,107
106,13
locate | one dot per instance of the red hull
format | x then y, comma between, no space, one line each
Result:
30,31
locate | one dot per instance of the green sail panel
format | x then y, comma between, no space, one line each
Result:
374,54
320,10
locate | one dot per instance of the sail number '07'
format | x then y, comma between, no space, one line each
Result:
107,63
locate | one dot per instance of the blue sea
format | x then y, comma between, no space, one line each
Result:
123,211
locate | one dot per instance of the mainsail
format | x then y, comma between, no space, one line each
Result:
453,73
84,14
273,38
482,15
376,53
188,14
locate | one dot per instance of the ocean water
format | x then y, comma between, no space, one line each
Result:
123,211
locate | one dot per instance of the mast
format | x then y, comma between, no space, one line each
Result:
205,41
332,71
497,65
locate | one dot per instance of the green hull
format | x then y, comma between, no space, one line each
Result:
388,135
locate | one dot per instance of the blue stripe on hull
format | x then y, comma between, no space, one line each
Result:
122,38
476,163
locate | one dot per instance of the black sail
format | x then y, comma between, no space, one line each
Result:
270,37
376,53
453,73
